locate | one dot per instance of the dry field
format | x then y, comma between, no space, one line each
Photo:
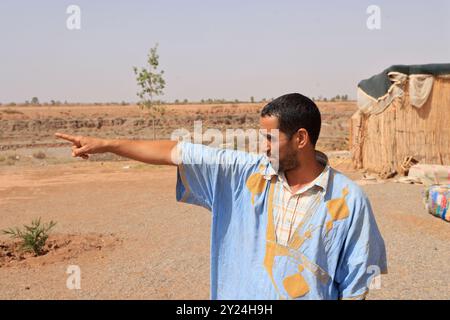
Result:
24,127
119,221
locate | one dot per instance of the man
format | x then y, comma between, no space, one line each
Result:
285,225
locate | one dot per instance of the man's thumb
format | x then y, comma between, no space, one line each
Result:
80,151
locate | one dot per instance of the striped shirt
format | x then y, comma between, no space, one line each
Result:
290,207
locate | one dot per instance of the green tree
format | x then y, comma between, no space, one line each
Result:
151,83
35,101
150,80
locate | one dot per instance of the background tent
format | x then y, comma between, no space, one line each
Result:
403,111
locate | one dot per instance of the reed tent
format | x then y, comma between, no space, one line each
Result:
402,112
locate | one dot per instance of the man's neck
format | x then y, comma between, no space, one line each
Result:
309,170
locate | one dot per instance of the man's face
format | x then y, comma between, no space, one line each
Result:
287,156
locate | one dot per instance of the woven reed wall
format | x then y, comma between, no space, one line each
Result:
381,142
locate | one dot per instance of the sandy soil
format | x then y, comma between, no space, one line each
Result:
156,257
156,248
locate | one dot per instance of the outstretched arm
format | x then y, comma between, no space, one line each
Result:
148,151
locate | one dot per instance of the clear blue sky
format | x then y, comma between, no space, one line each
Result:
219,49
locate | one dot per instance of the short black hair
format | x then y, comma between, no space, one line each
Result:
295,111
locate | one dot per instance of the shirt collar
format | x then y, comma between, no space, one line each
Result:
321,181
267,171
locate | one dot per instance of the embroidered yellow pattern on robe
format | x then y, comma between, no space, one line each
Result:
256,184
296,285
338,209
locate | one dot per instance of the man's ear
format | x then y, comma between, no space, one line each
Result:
302,138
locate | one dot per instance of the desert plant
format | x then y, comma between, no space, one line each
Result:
39,155
33,237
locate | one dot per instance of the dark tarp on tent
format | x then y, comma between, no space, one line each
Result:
378,85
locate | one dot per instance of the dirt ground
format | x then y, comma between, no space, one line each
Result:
145,245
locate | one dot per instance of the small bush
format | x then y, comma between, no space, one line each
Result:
33,237
39,155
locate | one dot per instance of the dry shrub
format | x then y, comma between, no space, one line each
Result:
39,155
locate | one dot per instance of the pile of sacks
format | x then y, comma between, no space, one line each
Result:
437,198
436,179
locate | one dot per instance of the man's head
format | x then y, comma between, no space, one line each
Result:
298,120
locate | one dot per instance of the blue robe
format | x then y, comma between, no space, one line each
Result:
334,253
